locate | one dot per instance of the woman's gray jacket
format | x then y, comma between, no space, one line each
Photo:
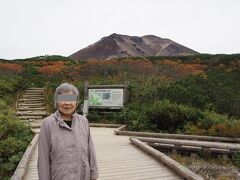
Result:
64,152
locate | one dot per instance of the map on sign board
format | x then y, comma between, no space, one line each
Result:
105,97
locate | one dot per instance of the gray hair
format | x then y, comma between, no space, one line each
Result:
65,88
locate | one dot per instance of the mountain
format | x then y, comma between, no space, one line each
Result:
117,45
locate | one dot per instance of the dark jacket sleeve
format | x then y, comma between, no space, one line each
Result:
44,153
92,157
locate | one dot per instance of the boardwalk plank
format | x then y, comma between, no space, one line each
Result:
127,161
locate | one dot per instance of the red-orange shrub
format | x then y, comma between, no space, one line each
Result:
10,67
52,68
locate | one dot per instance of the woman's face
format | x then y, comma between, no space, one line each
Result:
67,103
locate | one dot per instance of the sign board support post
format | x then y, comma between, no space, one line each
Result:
85,108
85,103
126,92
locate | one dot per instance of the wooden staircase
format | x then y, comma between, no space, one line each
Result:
31,108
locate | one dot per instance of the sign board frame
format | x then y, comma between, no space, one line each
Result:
106,92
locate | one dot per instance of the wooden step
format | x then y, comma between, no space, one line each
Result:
30,104
36,131
37,121
30,117
26,113
35,125
33,96
34,91
31,99
35,88
31,109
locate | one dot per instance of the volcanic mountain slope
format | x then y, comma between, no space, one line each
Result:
117,45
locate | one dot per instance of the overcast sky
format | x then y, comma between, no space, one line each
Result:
46,27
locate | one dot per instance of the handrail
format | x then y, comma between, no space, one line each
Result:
29,124
16,104
46,94
194,143
175,166
22,166
122,131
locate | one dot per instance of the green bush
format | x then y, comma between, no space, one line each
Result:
166,116
217,90
211,118
160,116
228,128
14,139
114,117
136,118
214,124
8,86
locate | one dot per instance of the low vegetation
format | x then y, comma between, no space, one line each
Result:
209,167
14,134
189,95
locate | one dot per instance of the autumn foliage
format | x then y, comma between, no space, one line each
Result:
10,67
51,68
176,69
114,67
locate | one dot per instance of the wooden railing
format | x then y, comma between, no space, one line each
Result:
22,166
187,143
122,131
178,168
21,88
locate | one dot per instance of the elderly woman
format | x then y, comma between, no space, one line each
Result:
65,147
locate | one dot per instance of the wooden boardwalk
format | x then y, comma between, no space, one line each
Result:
117,159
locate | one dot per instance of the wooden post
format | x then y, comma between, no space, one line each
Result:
205,152
85,108
126,92
174,149
86,84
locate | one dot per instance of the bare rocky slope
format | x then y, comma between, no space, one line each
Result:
117,45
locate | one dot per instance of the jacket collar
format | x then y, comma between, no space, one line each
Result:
60,119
